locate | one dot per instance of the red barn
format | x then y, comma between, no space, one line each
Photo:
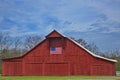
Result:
58,55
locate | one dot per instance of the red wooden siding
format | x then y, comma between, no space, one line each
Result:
55,42
74,60
11,68
56,69
33,69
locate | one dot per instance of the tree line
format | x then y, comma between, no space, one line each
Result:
17,46
93,48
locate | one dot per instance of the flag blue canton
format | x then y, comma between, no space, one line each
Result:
52,48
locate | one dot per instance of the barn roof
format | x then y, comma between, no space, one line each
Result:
59,34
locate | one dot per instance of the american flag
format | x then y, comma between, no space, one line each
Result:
56,50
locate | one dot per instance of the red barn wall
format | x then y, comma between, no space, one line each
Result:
73,61
85,63
12,67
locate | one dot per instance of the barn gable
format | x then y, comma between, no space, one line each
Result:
54,34
59,55
57,34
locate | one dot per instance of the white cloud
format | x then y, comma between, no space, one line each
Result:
79,13
108,7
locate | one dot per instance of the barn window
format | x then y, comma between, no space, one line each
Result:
55,42
55,45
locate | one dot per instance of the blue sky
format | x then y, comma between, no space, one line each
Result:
95,21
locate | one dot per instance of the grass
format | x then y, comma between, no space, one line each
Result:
59,77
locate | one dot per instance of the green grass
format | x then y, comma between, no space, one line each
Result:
59,77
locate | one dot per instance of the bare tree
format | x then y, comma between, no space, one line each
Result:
82,42
17,44
114,53
92,47
5,43
31,41
1,41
